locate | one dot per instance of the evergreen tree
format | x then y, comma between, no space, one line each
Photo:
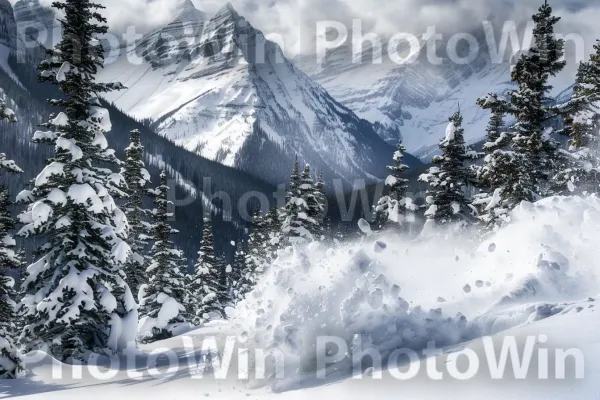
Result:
205,287
294,184
6,114
535,156
296,226
321,199
10,357
241,282
447,180
75,290
394,205
494,177
136,176
581,169
272,230
260,247
165,293
308,193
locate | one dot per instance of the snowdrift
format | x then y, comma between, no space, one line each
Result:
384,293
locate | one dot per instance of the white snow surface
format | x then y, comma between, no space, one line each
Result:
542,278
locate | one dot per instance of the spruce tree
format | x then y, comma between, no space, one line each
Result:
260,247
296,226
494,178
308,193
446,198
321,199
241,282
10,357
75,290
581,170
393,207
535,156
136,177
165,294
272,230
205,287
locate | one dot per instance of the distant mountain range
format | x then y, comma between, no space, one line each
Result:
218,88
412,101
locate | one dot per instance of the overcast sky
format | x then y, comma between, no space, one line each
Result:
294,20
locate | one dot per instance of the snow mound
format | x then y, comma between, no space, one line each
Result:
385,300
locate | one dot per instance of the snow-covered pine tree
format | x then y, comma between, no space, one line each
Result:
76,295
321,199
294,184
272,230
394,206
495,178
136,177
241,282
446,198
205,288
536,157
10,357
163,299
6,114
259,247
308,192
295,227
226,281
581,171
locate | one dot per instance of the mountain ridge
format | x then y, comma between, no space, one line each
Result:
217,91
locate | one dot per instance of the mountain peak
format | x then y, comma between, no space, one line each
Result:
189,12
227,10
188,6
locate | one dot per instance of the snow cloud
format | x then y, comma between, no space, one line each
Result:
293,22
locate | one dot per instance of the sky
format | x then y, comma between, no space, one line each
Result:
292,22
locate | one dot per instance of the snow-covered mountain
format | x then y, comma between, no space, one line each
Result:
220,89
411,101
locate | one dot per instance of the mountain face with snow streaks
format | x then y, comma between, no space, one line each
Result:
412,101
223,91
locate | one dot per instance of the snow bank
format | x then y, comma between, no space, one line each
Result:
403,294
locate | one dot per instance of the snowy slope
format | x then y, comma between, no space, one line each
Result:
536,278
225,83
412,101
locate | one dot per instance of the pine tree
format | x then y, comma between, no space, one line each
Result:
581,170
136,176
273,233
321,199
394,205
241,282
165,293
308,193
260,247
10,357
205,287
295,226
446,196
6,114
494,177
535,156
75,290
